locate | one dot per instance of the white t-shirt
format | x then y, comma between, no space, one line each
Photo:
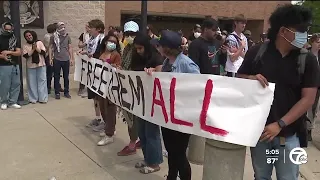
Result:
233,42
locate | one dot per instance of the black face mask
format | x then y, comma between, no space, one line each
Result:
7,33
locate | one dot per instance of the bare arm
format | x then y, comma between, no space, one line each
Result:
50,52
17,52
239,52
81,44
70,52
158,68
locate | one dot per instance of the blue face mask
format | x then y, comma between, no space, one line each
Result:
111,46
300,39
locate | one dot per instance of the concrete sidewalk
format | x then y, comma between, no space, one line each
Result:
42,141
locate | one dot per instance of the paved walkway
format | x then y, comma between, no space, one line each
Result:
42,141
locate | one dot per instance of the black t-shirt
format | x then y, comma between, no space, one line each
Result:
154,61
4,45
284,73
198,52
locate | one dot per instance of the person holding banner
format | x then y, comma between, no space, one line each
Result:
96,30
146,56
296,76
131,29
175,142
110,53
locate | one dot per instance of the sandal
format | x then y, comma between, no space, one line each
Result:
140,164
149,170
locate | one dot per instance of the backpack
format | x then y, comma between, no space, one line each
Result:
302,131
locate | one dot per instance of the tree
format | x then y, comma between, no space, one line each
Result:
315,8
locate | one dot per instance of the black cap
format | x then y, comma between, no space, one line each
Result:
170,39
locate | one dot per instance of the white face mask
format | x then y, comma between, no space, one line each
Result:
196,34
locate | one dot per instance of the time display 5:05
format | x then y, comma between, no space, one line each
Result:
272,152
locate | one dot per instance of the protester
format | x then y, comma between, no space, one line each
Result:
51,28
175,142
263,38
61,56
110,53
96,32
9,67
120,37
196,32
34,52
150,31
146,56
130,31
205,51
312,113
247,33
294,93
238,45
83,39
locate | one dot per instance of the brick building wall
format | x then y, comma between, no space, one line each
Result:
253,10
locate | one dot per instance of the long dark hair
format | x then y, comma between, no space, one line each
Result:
105,39
150,52
34,36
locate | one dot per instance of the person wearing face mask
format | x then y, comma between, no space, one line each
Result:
205,51
196,32
34,52
61,57
296,81
131,28
9,68
110,53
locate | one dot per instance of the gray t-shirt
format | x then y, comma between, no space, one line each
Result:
63,55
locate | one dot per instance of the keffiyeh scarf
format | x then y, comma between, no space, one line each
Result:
93,43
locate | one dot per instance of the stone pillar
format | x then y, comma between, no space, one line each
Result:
196,149
223,161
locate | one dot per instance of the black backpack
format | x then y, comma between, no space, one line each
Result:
302,131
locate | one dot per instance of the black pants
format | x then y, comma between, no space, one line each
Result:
57,66
49,73
176,144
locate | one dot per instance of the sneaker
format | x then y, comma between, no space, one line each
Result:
100,127
4,106
15,106
84,93
67,96
165,153
94,123
103,134
126,151
105,140
57,96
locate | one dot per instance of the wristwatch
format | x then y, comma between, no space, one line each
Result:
281,123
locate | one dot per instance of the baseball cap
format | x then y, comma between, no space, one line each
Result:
170,39
131,26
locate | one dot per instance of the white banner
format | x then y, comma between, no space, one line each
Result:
227,109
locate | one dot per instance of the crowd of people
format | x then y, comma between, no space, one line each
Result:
275,58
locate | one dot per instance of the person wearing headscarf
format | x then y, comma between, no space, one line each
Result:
9,67
61,56
131,29
34,52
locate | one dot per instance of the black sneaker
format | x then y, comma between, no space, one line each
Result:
67,96
309,135
57,96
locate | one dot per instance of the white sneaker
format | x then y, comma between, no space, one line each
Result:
105,140
4,106
103,134
15,106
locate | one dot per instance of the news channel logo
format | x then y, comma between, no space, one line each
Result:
298,156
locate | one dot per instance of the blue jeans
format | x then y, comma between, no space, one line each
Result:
150,139
57,66
9,84
37,84
285,169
